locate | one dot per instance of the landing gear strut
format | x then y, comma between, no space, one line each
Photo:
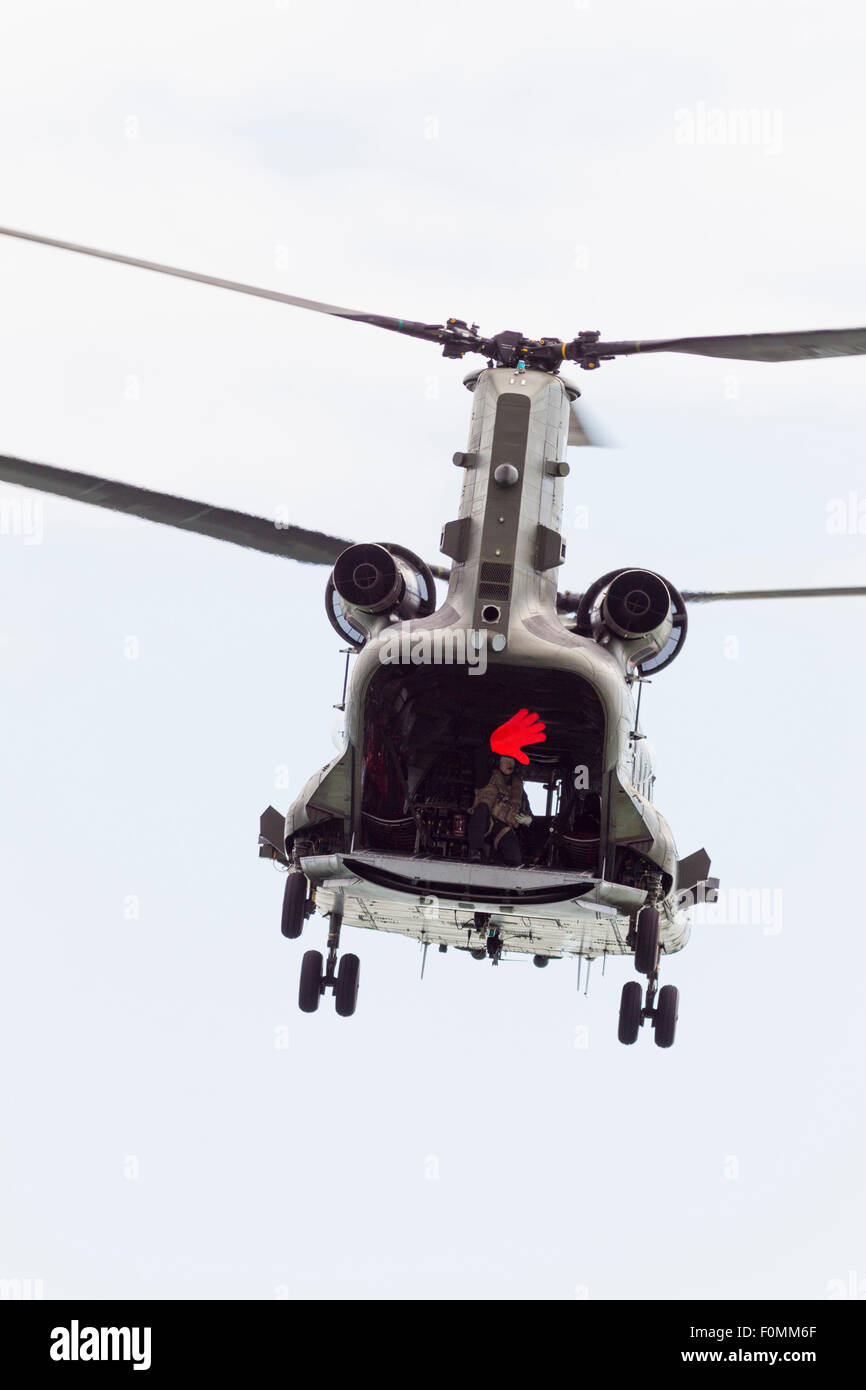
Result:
662,1014
318,974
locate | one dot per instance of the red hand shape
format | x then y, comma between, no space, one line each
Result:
521,728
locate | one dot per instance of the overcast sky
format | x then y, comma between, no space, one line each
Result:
173,1126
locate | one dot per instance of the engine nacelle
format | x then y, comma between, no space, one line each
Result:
374,582
639,614
637,604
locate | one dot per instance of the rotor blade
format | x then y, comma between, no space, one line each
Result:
696,597
222,524
752,347
578,434
568,602
406,326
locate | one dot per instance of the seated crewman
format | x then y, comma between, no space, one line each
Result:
498,809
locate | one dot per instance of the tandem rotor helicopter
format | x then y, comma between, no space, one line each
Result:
417,826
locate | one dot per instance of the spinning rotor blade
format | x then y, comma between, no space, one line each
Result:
509,349
578,435
752,347
695,597
568,602
406,326
222,524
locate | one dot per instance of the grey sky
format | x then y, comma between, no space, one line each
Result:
580,166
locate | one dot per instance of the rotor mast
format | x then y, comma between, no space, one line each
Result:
505,542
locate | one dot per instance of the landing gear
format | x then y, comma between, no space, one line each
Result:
346,988
310,990
662,1014
630,1012
295,905
646,951
665,1021
644,938
318,975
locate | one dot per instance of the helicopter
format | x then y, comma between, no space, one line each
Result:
506,667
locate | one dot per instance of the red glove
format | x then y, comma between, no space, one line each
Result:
521,728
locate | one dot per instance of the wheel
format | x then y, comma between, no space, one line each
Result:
541,961
294,902
630,1006
477,953
665,1021
646,951
346,993
310,991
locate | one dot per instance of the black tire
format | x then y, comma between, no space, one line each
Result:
294,902
630,1005
646,951
665,1021
346,993
478,953
310,991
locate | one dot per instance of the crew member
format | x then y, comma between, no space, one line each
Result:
497,811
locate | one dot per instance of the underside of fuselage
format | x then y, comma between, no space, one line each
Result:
529,910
